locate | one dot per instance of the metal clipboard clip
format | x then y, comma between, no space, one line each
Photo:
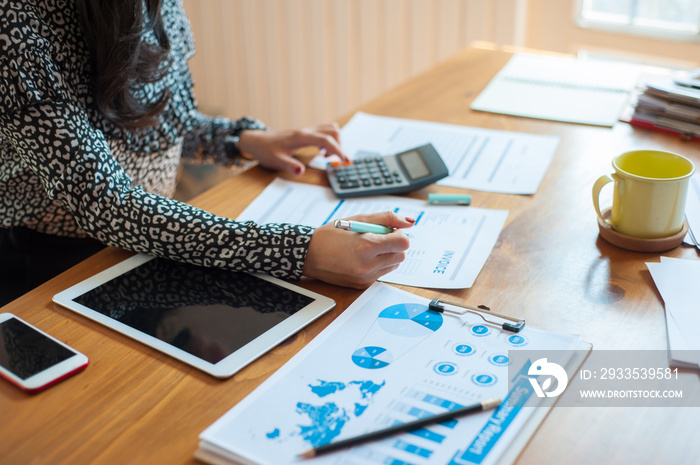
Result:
515,327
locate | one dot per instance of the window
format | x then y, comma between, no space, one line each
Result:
673,19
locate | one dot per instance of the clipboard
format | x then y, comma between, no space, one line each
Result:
530,428
515,325
390,358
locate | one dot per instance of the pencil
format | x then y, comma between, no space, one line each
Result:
402,428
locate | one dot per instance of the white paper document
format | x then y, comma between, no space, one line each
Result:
481,159
692,212
388,359
677,281
449,244
560,89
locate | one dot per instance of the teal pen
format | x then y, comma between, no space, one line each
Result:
449,199
358,226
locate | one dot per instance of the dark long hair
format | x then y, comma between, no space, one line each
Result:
119,58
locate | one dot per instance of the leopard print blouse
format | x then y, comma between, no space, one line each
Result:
66,170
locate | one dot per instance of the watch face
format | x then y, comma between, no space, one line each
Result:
231,144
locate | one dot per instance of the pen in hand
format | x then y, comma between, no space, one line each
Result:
360,227
402,428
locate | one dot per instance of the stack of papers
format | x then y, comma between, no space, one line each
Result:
671,105
560,89
677,281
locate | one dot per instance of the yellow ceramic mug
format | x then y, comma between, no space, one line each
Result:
649,193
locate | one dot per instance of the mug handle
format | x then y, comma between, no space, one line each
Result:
602,181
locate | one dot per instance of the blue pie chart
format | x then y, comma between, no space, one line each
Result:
372,357
409,320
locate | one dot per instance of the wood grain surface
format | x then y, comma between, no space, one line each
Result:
133,405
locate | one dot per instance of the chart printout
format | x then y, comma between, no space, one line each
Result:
387,359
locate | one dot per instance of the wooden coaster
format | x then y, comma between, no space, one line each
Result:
638,244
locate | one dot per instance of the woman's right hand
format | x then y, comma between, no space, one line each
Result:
353,259
275,149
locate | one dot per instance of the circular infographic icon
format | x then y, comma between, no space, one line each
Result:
484,379
372,357
464,349
500,360
445,368
517,340
480,330
409,320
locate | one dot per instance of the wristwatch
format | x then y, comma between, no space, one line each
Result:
232,139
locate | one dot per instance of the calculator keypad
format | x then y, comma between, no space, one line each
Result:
366,175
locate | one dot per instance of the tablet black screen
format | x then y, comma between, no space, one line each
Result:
209,313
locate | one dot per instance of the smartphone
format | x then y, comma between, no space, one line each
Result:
33,360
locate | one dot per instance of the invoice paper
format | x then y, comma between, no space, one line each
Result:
449,244
481,159
388,359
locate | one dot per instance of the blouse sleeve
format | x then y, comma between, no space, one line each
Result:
214,138
53,137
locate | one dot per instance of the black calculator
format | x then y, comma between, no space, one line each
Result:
389,174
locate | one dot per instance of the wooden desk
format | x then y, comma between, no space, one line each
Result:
134,405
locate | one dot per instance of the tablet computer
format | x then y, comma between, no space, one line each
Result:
215,320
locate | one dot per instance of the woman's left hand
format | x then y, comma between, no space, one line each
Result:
275,149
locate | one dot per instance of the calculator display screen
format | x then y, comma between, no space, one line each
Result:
413,164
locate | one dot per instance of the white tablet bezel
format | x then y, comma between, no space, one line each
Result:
224,368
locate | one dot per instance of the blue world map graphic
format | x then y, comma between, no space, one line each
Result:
325,421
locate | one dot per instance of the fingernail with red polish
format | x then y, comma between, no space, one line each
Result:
410,220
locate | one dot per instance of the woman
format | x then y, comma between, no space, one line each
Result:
97,109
